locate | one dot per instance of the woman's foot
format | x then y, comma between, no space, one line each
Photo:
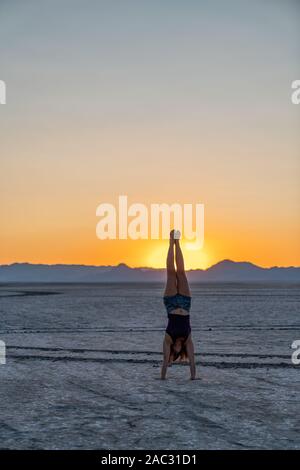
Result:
175,235
172,240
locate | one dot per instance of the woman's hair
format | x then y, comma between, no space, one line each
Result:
180,356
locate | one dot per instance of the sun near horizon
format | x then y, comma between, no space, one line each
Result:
132,107
145,254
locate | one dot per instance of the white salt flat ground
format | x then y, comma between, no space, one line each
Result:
83,369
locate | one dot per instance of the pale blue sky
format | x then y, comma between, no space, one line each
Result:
144,60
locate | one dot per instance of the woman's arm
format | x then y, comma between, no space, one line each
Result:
166,353
191,356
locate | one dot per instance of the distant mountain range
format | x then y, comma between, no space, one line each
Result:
224,271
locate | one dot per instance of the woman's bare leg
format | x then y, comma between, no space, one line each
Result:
182,282
171,286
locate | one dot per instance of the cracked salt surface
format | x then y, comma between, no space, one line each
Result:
82,369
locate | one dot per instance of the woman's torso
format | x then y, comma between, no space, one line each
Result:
178,308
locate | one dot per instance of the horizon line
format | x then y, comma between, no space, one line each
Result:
142,267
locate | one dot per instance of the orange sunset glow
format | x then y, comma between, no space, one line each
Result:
102,116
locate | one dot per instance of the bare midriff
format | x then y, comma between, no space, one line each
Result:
179,311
